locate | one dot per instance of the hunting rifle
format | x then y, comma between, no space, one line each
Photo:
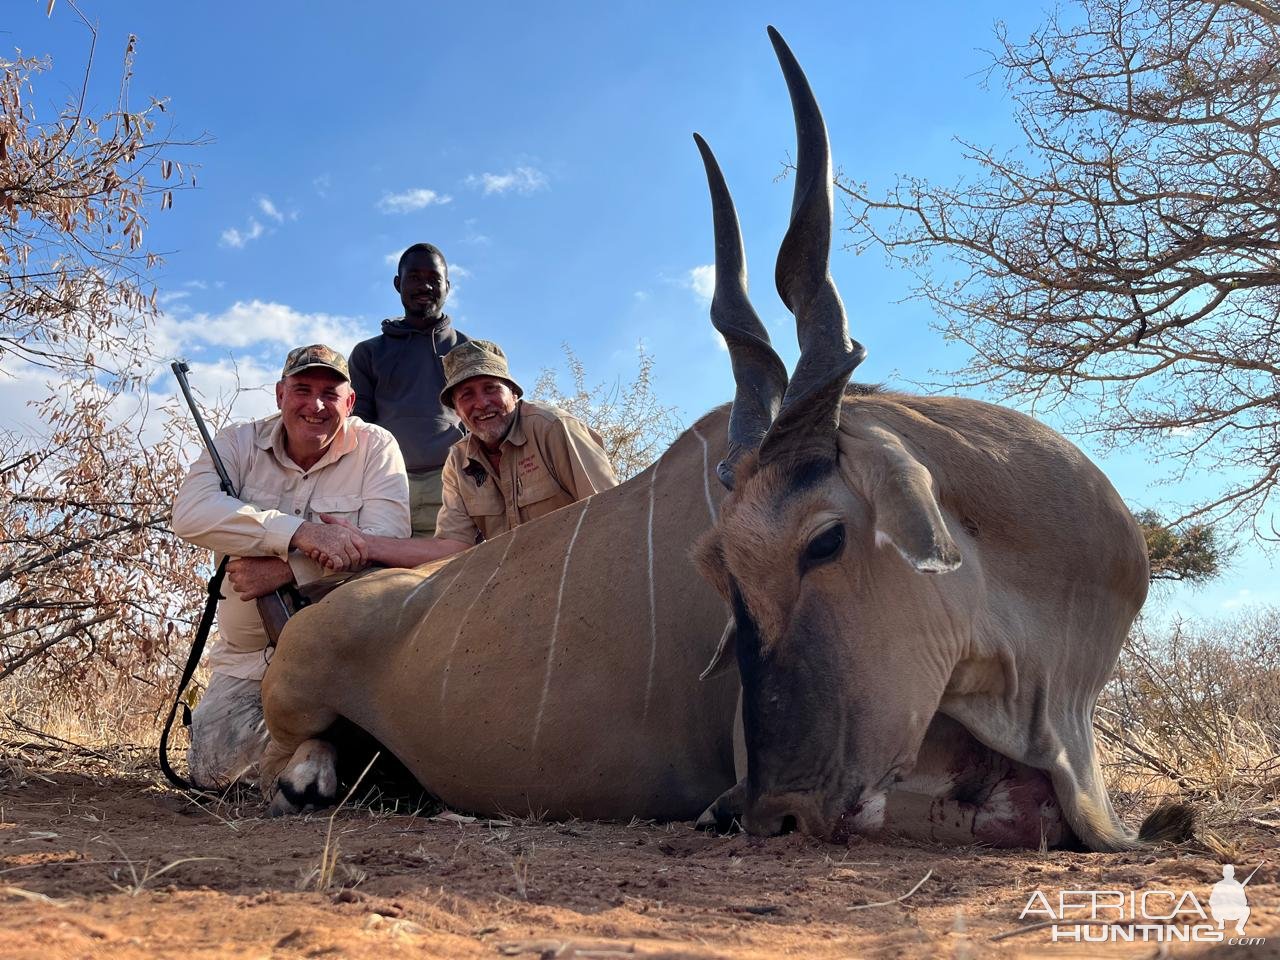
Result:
275,608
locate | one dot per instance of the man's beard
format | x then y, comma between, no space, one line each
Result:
491,432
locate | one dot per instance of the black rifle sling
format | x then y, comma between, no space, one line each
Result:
193,660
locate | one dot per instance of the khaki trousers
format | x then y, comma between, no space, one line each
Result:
426,496
228,734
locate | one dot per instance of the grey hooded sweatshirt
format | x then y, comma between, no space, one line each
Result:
398,377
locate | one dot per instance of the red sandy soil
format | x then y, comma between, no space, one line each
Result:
91,866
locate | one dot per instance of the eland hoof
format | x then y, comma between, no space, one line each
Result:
309,781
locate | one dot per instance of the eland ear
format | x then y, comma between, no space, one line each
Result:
900,489
726,652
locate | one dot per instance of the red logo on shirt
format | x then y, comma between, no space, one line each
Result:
528,465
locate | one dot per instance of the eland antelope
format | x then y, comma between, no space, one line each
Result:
927,593
926,596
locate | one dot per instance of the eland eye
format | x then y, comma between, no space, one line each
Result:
825,546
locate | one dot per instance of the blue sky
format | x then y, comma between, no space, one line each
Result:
546,149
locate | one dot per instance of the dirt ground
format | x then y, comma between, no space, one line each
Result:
96,863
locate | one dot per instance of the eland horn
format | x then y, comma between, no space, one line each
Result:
805,426
760,376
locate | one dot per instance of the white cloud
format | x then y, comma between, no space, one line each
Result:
702,281
20,384
321,184
257,321
458,270
473,235
270,209
410,200
245,384
236,239
1241,598
524,180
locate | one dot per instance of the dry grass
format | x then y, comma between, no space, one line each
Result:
325,875
106,712
1194,709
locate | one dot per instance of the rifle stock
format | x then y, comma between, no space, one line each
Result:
275,609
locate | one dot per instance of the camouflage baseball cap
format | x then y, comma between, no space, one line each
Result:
315,355
475,358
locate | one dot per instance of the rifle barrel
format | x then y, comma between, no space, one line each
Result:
180,371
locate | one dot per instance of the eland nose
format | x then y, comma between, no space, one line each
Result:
773,815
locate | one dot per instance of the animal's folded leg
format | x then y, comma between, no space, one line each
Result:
1016,809
725,815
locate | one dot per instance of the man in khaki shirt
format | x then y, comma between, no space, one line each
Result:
520,461
311,458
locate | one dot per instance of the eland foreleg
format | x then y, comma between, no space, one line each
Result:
299,769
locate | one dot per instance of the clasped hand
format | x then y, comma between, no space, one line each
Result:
336,545
253,577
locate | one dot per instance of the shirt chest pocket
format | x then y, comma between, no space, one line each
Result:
346,507
262,498
536,487
483,500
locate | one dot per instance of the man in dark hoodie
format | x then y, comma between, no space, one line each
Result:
398,376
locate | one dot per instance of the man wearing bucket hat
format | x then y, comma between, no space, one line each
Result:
311,458
520,461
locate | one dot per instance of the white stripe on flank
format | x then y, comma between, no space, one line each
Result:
555,628
706,470
426,581
461,566
409,599
653,607
444,681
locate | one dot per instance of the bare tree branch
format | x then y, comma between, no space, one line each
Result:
94,589
635,427
13,665
1123,262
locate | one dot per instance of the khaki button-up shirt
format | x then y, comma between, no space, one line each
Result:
549,459
360,479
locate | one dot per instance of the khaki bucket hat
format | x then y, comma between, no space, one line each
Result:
315,355
475,358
